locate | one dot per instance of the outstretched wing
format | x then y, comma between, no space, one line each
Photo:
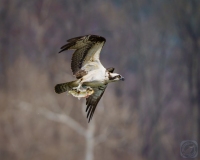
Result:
93,100
86,56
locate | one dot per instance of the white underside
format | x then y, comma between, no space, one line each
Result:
96,73
95,77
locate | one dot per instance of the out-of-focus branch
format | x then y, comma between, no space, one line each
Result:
56,117
87,133
102,137
89,155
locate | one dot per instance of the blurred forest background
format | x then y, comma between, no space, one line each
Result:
154,44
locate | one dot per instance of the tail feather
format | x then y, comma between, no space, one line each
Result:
60,88
64,87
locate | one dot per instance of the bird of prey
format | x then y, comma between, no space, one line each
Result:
92,77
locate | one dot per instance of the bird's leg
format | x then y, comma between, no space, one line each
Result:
80,88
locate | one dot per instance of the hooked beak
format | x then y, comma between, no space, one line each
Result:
122,79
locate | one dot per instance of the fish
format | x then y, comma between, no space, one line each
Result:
83,93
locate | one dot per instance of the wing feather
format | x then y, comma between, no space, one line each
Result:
93,100
74,39
87,49
78,57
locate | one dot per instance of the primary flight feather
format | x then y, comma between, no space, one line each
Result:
92,77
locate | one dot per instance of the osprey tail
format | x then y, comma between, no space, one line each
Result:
60,88
64,87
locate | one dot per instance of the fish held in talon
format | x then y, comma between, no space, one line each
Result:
83,93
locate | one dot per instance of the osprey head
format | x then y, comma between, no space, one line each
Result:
115,77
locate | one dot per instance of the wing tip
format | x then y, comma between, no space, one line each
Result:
90,37
96,38
67,46
72,41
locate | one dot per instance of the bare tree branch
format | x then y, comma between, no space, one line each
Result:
62,118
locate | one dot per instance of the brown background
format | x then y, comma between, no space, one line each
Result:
154,44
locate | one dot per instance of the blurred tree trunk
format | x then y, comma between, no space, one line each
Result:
150,94
194,85
4,34
186,17
193,35
90,141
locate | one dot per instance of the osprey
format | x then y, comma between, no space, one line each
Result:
92,77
